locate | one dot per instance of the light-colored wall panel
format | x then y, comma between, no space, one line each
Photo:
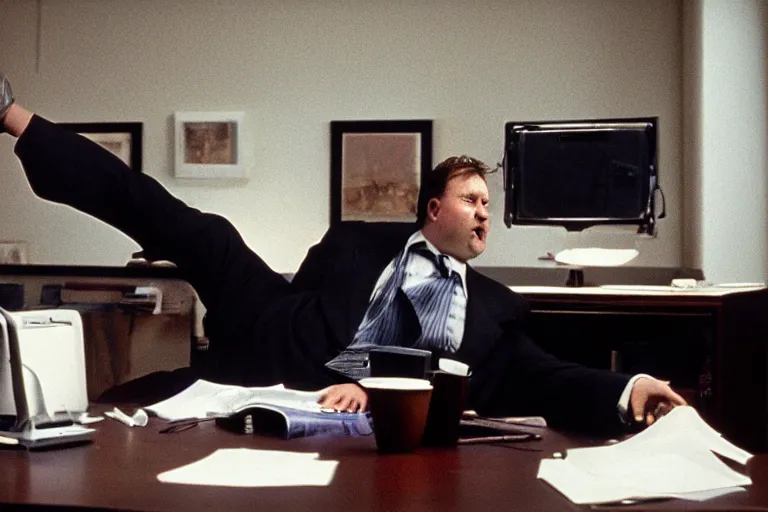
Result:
726,139
294,65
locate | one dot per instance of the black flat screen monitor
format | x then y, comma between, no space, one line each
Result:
579,174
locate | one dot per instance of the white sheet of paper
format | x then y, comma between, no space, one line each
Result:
242,467
138,419
205,398
658,473
583,488
671,458
681,427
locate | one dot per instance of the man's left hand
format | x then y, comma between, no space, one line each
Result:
651,399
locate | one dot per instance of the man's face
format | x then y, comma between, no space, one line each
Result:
459,220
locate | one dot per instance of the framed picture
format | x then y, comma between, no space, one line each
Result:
209,145
376,169
13,253
124,140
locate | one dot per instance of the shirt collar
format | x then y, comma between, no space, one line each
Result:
454,264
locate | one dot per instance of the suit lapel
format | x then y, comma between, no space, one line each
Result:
366,263
370,263
369,260
480,330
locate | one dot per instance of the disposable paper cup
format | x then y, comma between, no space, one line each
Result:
399,409
445,408
398,363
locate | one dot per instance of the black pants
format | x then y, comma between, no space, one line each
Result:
262,330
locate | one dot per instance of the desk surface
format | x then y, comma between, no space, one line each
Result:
640,290
119,469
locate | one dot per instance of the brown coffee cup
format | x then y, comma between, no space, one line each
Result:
445,408
399,409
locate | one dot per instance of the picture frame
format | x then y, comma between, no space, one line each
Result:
13,253
124,140
376,169
209,145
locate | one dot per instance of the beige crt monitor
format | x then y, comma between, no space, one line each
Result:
42,377
51,344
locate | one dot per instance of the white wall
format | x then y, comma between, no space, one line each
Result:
295,65
726,138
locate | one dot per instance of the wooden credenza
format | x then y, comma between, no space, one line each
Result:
120,343
710,343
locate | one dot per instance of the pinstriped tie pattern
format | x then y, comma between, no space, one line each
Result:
432,302
384,322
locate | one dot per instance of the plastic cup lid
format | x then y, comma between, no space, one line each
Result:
395,383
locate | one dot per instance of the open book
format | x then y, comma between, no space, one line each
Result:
273,410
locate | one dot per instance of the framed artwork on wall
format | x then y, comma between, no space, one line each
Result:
376,169
124,140
208,145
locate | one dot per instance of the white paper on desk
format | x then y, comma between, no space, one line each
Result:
671,458
584,488
138,419
242,467
684,427
204,398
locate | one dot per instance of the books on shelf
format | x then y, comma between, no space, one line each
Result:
105,296
147,299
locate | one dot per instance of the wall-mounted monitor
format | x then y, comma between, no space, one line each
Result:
579,174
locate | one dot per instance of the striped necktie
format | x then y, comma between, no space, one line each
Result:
414,318
383,322
432,301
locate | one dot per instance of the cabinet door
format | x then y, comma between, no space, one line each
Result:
677,347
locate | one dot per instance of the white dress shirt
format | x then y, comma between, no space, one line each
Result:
420,269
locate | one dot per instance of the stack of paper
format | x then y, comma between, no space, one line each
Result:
672,458
241,467
203,399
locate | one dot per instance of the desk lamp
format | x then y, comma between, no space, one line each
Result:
32,426
579,174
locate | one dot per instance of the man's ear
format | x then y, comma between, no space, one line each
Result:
433,208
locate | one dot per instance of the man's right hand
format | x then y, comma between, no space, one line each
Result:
651,399
344,397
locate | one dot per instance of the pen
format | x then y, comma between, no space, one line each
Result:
499,439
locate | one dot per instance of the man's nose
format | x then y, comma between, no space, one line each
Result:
481,212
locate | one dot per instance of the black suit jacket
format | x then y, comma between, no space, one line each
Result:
264,330
511,375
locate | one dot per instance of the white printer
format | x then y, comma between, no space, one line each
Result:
46,348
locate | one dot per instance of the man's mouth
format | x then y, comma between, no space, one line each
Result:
479,232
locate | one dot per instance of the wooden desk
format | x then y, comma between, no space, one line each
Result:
118,471
712,344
